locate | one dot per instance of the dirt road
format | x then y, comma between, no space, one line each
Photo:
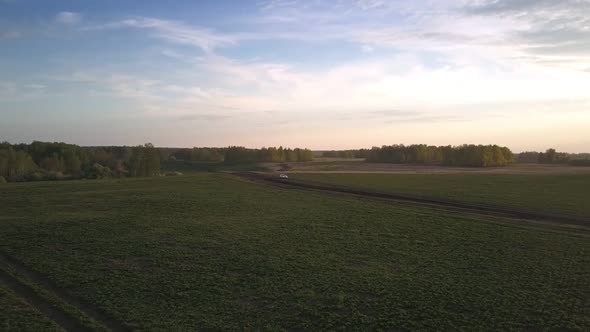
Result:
412,199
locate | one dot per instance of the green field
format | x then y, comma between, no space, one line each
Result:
190,167
17,315
559,194
210,251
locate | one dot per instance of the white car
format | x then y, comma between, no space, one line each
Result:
284,176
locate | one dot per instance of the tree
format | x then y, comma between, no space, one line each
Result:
553,157
464,155
144,161
14,165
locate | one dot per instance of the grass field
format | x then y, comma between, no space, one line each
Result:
17,315
210,251
189,167
335,165
560,194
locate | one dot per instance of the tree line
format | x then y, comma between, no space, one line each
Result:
56,161
462,155
348,154
239,154
193,154
551,156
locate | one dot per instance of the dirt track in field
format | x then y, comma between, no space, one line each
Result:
493,211
360,166
63,319
58,315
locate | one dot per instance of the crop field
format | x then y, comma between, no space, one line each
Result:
213,251
17,315
560,194
335,165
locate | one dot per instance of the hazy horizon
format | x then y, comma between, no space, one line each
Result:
322,75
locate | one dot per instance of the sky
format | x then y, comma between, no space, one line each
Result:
319,74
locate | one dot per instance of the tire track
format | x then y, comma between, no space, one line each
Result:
62,318
427,201
56,314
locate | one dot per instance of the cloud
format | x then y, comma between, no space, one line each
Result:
9,34
371,4
498,30
204,117
425,119
526,6
367,48
21,92
393,116
7,88
173,31
556,30
273,4
465,61
35,86
391,113
68,18
115,84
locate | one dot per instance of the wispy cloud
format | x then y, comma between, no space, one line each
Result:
9,34
527,7
544,29
371,4
68,18
173,31
17,91
7,88
548,30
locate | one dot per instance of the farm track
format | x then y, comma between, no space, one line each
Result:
63,318
478,209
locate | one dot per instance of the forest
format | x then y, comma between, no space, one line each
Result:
359,153
465,155
237,154
551,156
462,155
60,161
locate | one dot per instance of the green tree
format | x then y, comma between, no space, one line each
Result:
144,161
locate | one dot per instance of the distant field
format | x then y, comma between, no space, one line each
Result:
561,194
211,251
196,166
335,165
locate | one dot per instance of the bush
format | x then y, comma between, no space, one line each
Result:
97,171
54,176
37,176
17,178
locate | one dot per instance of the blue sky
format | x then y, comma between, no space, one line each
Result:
319,74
